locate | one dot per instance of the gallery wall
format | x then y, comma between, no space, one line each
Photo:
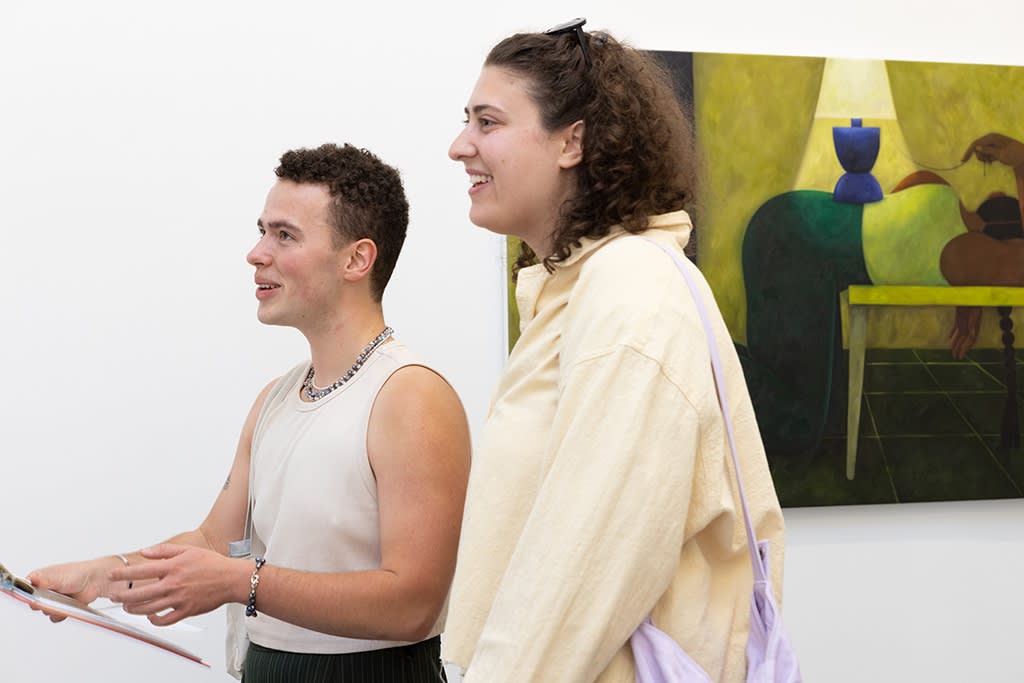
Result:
138,144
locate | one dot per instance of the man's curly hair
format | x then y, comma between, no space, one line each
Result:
639,156
367,200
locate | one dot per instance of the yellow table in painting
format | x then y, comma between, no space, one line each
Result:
861,297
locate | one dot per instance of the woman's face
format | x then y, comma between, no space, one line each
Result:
520,173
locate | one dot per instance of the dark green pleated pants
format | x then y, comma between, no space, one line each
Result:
416,663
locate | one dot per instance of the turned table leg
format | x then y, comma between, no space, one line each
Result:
1010,433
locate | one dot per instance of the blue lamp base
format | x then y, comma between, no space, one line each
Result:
857,188
857,149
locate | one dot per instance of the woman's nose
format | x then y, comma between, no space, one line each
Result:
461,146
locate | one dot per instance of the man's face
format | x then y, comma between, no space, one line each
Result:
298,268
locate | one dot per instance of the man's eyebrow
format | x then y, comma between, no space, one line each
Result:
278,225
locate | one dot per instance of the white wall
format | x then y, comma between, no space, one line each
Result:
137,145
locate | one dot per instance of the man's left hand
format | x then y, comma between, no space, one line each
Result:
177,582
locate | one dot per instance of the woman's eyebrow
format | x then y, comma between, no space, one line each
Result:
480,108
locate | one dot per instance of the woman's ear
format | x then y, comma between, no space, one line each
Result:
359,259
572,145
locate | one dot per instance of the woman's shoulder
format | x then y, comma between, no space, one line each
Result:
619,248
631,265
629,292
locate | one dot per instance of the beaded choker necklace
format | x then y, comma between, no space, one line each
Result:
315,393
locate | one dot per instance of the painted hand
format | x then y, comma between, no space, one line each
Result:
965,330
997,147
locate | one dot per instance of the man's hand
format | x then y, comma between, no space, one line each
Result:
183,581
997,147
83,581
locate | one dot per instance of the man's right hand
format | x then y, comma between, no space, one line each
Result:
83,581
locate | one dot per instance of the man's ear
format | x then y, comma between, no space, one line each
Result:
572,145
358,259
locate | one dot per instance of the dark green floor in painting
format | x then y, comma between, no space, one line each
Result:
930,431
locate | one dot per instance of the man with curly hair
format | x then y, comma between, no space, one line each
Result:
356,460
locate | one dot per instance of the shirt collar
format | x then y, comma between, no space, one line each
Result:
676,223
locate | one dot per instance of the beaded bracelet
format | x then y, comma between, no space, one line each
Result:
254,581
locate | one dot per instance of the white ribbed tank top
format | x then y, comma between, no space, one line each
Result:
314,493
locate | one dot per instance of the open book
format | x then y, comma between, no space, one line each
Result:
59,604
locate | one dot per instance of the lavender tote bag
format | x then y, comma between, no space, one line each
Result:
770,656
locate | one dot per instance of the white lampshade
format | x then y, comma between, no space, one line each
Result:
855,88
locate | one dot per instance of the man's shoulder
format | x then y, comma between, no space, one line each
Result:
278,388
414,403
399,355
295,374
411,381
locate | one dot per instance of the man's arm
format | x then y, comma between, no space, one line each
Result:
419,449
226,520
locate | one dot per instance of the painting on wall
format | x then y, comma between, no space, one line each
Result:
860,224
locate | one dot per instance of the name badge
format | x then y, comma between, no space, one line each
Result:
241,548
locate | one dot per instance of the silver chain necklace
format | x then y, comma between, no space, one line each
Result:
315,393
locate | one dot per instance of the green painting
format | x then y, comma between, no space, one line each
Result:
860,224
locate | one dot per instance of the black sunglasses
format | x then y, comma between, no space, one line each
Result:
573,26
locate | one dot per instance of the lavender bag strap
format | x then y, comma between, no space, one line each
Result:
723,402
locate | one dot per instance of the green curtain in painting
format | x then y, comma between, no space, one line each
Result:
752,115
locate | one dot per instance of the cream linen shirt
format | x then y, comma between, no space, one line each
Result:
602,489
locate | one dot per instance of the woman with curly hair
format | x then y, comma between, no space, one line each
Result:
602,490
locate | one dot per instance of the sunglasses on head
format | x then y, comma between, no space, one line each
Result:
574,26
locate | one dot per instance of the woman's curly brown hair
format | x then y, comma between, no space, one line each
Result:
639,158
